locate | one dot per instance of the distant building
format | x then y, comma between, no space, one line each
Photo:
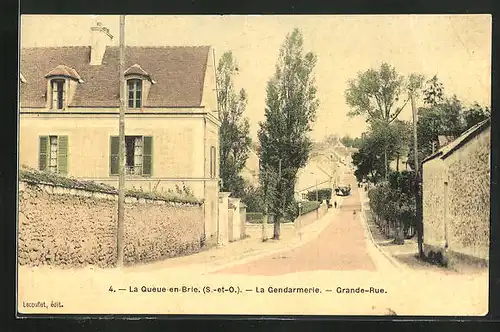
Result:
456,196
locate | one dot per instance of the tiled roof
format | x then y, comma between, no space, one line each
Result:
63,70
179,74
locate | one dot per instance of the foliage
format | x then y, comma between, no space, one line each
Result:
234,132
31,175
380,140
434,91
291,105
308,206
442,116
351,142
393,201
375,93
323,194
253,197
254,216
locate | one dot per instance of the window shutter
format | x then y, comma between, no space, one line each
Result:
43,152
64,93
113,160
54,94
62,155
147,156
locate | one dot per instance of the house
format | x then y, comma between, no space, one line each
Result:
69,116
456,197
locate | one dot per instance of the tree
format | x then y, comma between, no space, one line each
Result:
434,91
375,94
291,105
368,161
234,131
475,114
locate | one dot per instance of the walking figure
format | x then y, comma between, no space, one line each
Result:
335,203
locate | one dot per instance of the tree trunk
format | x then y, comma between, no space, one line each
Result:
399,237
386,165
277,219
397,163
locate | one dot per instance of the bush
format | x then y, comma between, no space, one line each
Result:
323,194
31,175
308,206
393,201
254,216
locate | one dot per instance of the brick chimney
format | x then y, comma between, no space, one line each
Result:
100,38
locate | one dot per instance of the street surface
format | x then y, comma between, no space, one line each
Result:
334,256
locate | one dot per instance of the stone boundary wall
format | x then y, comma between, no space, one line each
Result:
73,227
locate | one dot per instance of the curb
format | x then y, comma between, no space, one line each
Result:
367,228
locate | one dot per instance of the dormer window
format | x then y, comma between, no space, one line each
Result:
138,86
58,93
61,86
134,93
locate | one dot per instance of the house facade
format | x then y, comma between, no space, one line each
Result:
69,116
456,196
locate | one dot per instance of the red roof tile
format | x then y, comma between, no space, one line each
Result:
179,73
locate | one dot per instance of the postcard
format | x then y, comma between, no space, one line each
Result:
254,165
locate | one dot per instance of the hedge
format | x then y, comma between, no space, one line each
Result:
308,206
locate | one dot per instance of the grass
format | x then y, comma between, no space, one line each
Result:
34,176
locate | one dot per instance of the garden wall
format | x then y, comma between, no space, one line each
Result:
72,227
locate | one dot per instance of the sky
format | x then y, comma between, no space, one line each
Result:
456,48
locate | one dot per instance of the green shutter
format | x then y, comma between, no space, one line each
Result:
147,156
113,156
62,155
43,153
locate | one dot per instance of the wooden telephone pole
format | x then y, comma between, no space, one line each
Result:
121,151
418,207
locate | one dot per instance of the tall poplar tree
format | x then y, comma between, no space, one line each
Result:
291,105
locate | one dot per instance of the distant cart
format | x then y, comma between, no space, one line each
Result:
343,190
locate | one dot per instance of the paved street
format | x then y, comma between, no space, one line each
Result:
333,253
340,246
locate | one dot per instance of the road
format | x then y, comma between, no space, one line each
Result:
333,254
340,247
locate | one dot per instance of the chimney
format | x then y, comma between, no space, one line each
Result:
99,39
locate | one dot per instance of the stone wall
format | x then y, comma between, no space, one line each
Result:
433,173
469,197
68,227
456,200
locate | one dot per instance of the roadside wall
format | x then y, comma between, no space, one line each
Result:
69,227
456,201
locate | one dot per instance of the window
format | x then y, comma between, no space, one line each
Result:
213,162
138,155
53,154
57,94
134,93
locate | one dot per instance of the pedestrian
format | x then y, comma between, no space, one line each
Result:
335,203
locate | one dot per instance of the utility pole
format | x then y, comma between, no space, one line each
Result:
121,151
317,199
418,207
